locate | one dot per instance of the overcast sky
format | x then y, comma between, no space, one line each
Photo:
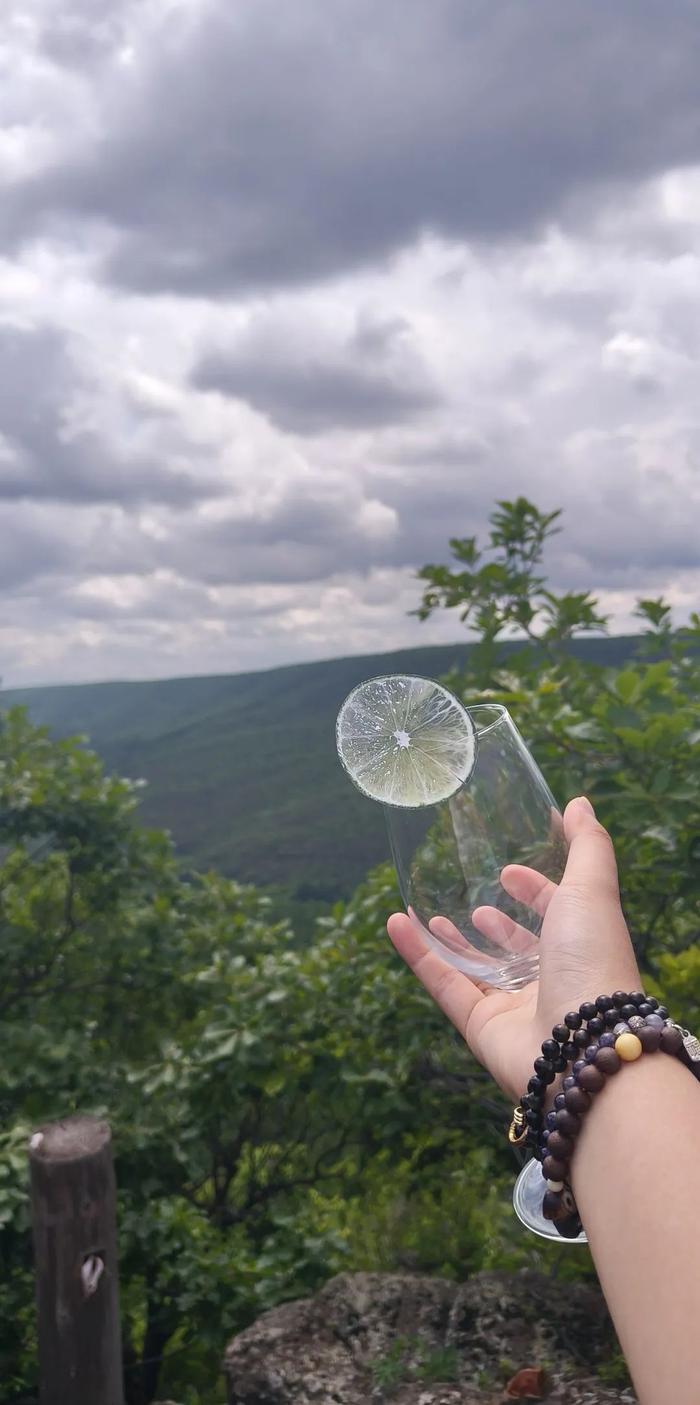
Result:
291,293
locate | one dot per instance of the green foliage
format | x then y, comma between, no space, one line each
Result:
391,1370
628,737
243,770
258,1091
283,1110
436,1364
615,1372
413,1359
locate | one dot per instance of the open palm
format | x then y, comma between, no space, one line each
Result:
585,950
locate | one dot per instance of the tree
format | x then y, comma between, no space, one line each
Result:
283,1111
627,737
255,1090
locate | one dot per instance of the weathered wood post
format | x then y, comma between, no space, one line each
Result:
75,1247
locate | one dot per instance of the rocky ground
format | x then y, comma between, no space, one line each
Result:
411,1340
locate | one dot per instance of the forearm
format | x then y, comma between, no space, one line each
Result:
636,1179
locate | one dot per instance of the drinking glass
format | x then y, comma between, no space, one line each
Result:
449,856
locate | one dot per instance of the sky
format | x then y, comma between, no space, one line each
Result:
292,294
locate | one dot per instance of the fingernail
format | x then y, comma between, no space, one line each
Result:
584,804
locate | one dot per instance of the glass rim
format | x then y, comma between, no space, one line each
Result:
503,716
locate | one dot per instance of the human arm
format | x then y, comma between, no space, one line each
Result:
636,1168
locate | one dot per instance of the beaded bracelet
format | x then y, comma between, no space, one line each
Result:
596,1039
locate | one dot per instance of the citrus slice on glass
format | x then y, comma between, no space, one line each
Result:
405,741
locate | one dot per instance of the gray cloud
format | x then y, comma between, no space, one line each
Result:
311,383
149,526
310,531
77,33
50,448
29,551
246,148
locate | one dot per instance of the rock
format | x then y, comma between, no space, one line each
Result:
370,1337
528,1384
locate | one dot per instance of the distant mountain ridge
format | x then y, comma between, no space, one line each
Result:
242,768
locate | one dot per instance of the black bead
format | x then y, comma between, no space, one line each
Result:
591,1078
596,1025
531,1137
587,1010
569,1228
533,1119
628,1011
620,998
652,1000
532,1101
580,1039
580,1063
604,1002
637,997
578,1100
559,1102
552,1208
607,1040
569,1082
551,1121
560,1063
570,1052
538,1153
573,1020
645,1008
612,1017
671,1040
550,1049
568,1123
544,1070
662,1011
591,1052
535,1084
561,1033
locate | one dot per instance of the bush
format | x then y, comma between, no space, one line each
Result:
283,1112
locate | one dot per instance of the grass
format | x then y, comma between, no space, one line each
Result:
409,1359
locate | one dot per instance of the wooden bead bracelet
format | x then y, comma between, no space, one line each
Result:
597,1039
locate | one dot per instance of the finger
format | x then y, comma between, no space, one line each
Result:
590,865
451,937
452,991
528,886
502,929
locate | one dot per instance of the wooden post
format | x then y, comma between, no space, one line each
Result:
75,1247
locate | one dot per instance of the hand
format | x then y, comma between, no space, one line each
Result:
585,951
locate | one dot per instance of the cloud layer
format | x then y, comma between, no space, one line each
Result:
287,299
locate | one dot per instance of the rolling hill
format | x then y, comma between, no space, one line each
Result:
242,768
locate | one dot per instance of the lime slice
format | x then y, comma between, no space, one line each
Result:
405,741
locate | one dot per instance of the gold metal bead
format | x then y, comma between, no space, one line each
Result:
629,1047
517,1131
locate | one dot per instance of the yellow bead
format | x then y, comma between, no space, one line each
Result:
628,1046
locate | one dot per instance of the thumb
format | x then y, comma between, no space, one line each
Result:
591,865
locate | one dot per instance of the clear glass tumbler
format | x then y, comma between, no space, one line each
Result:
449,856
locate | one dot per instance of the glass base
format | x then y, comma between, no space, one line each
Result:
527,1203
513,975
517,974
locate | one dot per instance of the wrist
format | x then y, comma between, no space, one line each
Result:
591,1047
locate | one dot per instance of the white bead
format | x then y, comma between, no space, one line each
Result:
555,1185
